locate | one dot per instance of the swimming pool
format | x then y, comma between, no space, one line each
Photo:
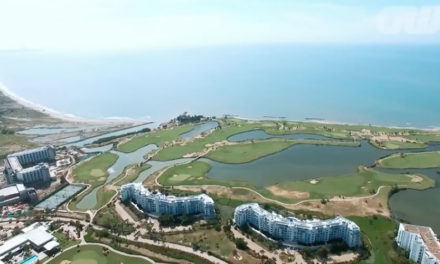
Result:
30,260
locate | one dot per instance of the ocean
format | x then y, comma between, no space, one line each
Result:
368,84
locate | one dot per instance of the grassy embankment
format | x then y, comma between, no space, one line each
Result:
130,173
421,160
380,233
363,182
94,172
158,137
95,255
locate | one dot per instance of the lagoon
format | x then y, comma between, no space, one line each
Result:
301,162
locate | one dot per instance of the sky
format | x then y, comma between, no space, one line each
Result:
90,25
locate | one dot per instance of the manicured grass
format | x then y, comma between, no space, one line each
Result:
426,137
194,173
380,233
398,145
94,255
411,160
249,151
64,241
158,137
365,181
131,173
227,128
94,171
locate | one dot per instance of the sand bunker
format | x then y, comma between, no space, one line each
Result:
278,191
416,178
314,181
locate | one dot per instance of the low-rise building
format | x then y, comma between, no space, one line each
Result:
421,243
35,235
17,193
293,231
155,203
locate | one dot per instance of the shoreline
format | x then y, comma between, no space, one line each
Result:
63,116
124,120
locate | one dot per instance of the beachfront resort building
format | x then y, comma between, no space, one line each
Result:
421,243
293,231
30,166
155,203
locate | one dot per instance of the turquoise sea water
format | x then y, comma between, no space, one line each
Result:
387,85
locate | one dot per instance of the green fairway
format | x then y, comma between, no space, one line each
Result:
398,145
94,171
158,137
225,130
420,160
249,151
365,181
194,173
380,233
94,255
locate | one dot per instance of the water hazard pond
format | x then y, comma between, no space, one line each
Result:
300,162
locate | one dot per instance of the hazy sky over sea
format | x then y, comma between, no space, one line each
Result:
102,25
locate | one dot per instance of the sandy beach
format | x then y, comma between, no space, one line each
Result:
62,116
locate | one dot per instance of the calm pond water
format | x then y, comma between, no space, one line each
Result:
418,207
110,134
199,129
89,201
40,131
301,162
261,134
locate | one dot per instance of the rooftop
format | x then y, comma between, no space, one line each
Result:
35,233
428,237
310,224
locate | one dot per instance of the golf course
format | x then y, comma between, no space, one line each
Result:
94,255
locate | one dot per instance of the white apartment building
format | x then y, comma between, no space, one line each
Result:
291,230
155,203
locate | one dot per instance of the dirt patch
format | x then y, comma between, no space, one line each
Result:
65,262
278,191
416,178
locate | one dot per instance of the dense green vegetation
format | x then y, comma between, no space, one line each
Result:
117,242
379,233
95,255
110,219
64,240
411,160
158,137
